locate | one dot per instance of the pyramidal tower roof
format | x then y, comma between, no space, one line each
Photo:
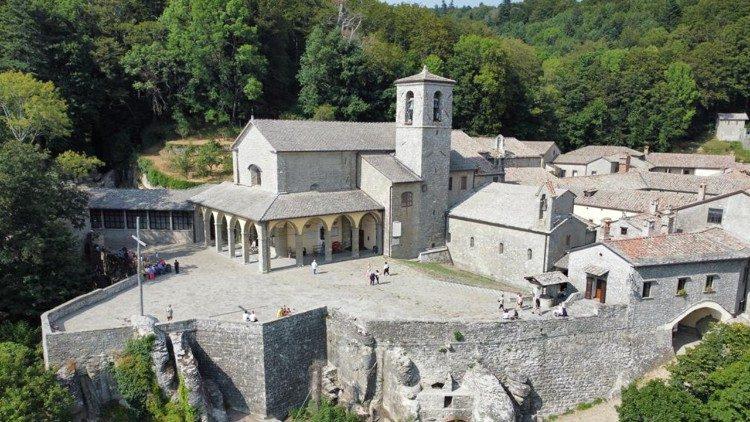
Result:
424,76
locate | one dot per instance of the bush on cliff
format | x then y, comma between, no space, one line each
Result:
27,391
324,412
709,382
136,382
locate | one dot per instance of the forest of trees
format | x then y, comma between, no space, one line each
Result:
629,72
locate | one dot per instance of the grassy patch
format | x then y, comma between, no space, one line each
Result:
454,275
717,147
158,178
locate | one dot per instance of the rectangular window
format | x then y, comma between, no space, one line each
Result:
450,183
131,218
464,179
562,173
623,231
682,284
114,219
575,173
709,287
496,178
158,220
715,215
593,172
182,220
95,216
646,292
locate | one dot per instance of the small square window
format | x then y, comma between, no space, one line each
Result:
623,231
715,215
709,287
464,182
682,284
575,173
500,248
646,292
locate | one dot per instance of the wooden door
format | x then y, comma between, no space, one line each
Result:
589,287
601,290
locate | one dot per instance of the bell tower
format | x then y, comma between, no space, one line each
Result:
424,118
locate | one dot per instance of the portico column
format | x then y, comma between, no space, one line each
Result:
218,219
245,242
379,237
206,215
355,242
298,250
230,237
264,258
328,246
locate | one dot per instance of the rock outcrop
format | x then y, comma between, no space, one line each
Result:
161,360
491,402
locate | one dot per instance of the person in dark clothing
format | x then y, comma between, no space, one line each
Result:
176,266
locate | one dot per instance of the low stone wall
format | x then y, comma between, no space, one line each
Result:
83,346
441,255
50,318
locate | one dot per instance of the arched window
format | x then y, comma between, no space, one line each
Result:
437,106
409,108
254,175
500,248
314,187
529,254
542,206
471,241
406,199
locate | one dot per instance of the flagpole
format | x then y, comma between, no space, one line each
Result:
138,249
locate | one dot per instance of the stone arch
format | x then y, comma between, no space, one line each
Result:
689,327
373,214
437,106
255,174
370,232
704,308
314,231
409,108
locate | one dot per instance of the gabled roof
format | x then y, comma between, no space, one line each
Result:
633,201
548,279
540,147
646,180
708,161
505,204
712,244
256,204
465,154
733,116
424,76
390,167
592,153
529,175
312,135
143,199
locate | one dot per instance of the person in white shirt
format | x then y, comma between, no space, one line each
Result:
253,317
386,269
314,266
246,316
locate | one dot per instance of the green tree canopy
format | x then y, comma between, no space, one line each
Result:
32,109
76,165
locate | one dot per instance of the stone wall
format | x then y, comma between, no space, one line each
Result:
735,218
84,346
567,361
441,255
329,170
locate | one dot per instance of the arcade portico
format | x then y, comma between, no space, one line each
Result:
298,226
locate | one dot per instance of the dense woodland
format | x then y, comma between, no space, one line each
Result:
625,72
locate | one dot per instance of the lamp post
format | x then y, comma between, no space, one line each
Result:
139,269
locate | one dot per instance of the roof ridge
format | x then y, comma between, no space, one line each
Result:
322,121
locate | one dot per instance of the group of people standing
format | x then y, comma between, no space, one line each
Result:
374,276
512,313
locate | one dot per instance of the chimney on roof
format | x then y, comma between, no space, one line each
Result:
667,221
606,228
500,144
624,164
646,149
702,192
648,227
653,206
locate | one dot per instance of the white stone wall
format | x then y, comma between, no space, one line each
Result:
730,130
254,149
619,279
566,170
328,170
735,220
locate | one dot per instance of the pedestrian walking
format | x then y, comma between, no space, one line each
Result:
169,312
386,269
176,266
519,301
377,277
372,278
314,266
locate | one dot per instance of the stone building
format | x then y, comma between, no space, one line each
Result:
597,159
731,127
507,231
697,164
665,278
730,211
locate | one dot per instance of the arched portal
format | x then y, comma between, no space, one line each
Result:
212,231
313,238
690,326
342,229
369,234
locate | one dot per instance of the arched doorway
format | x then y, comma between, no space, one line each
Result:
212,229
369,235
688,328
313,238
342,235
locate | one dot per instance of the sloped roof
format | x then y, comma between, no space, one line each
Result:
143,199
666,159
390,167
540,147
504,204
548,279
633,201
257,204
312,135
592,153
529,175
706,245
465,154
424,76
645,180
733,116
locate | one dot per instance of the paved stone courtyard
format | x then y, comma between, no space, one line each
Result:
214,286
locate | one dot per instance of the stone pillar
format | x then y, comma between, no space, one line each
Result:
328,246
206,228
355,242
264,251
218,219
298,250
230,238
245,242
379,237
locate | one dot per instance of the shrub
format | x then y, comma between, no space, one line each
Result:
181,159
458,336
157,178
77,166
325,412
208,156
27,391
657,401
20,332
